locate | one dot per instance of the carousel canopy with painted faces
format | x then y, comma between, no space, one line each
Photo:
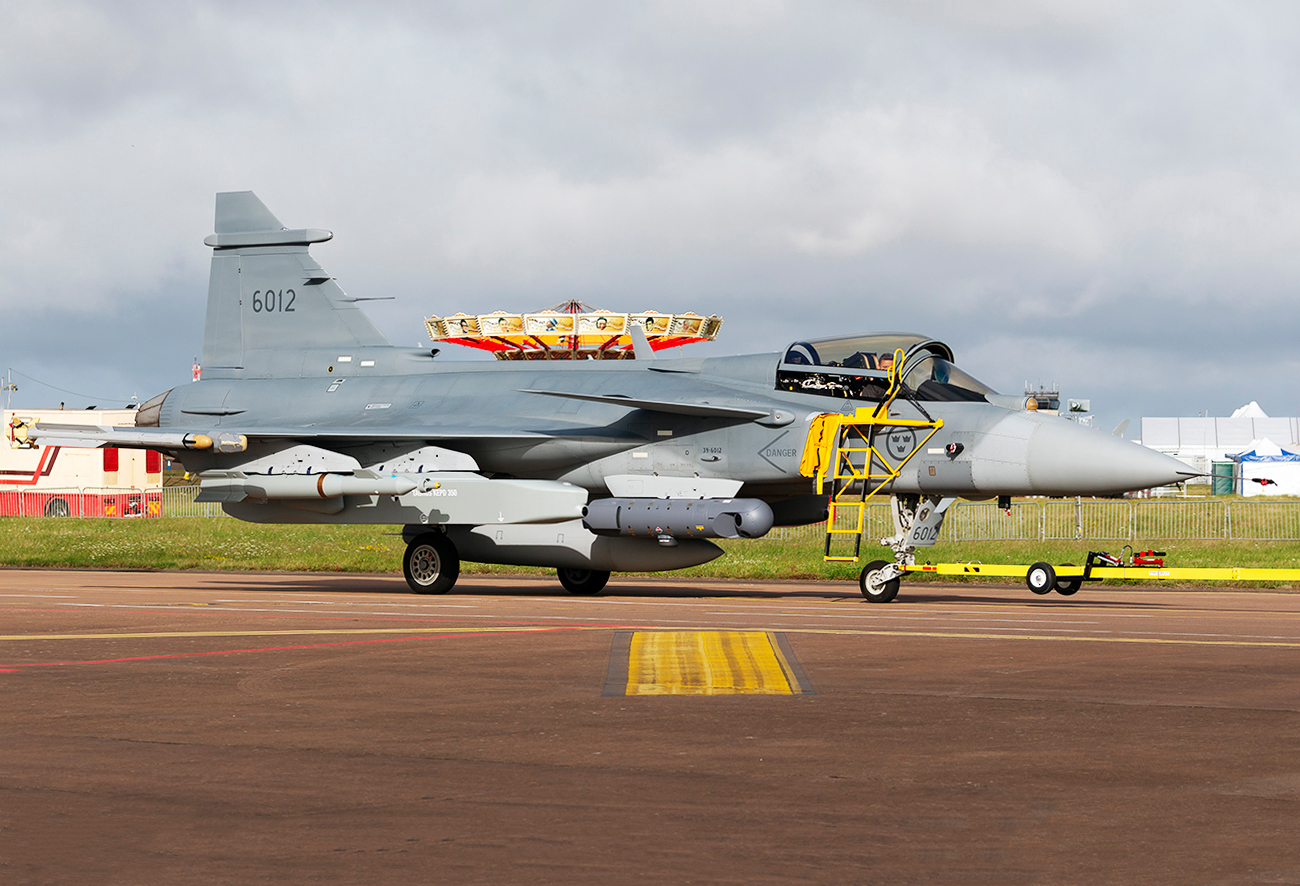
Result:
571,330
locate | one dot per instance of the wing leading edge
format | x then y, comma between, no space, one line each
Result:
670,406
89,436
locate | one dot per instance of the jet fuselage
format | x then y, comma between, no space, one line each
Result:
506,417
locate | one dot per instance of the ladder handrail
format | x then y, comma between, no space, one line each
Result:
829,452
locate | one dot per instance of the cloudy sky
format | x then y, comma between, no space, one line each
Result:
1105,195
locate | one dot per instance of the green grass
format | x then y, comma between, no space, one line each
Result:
224,544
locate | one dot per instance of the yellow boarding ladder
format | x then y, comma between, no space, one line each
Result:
837,442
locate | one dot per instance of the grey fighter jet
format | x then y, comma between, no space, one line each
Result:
307,414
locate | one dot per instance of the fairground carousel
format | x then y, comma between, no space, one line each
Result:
571,330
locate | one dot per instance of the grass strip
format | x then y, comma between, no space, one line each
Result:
224,544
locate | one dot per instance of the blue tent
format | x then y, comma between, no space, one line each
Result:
1254,456
1267,461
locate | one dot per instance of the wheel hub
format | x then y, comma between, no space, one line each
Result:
424,565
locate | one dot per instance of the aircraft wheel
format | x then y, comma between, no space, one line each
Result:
1041,578
1068,587
57,507
431,564
582,581
873,589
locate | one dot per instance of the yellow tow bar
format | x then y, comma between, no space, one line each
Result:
1100,573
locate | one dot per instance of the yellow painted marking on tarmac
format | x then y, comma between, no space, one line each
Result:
304,633
1101,608
1184,573
972,635
1077,606
774,652
943,635
707,663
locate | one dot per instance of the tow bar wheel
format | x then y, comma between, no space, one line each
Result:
1041,578
431,564
875,590
1068,586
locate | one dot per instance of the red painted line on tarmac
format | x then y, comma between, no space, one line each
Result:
226,610
451,619
18,668
41,609
234,610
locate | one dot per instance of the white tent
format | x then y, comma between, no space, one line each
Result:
1266,461
1250,410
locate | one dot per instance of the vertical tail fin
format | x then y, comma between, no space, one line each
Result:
268,296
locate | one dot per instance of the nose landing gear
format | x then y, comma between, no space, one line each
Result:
876,584
916,523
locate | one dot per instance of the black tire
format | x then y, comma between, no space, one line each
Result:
884,592
57,507
1041,578
584,582
431,564
1068,587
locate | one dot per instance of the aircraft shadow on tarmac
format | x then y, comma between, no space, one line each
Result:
527,586
541,586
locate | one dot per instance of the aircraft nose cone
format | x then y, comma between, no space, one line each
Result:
1066,459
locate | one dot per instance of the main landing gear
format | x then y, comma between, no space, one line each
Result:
431,564
585,582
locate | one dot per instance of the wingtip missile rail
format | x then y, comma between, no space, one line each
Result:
28,434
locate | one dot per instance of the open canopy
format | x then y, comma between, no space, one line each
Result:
852,366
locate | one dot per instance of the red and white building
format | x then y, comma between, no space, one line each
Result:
60,481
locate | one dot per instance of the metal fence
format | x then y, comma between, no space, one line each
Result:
1092,520
987,521
178,501
1263,520
169,501
1046,520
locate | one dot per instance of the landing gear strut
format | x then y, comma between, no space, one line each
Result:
916,522
431,564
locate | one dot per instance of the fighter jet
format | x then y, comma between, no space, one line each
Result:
307,414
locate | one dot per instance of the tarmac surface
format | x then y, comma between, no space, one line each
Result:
306,728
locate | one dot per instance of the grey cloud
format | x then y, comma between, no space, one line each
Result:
1072,189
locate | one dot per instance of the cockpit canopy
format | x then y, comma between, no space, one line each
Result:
857,367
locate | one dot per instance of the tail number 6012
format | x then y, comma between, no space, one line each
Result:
270,301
